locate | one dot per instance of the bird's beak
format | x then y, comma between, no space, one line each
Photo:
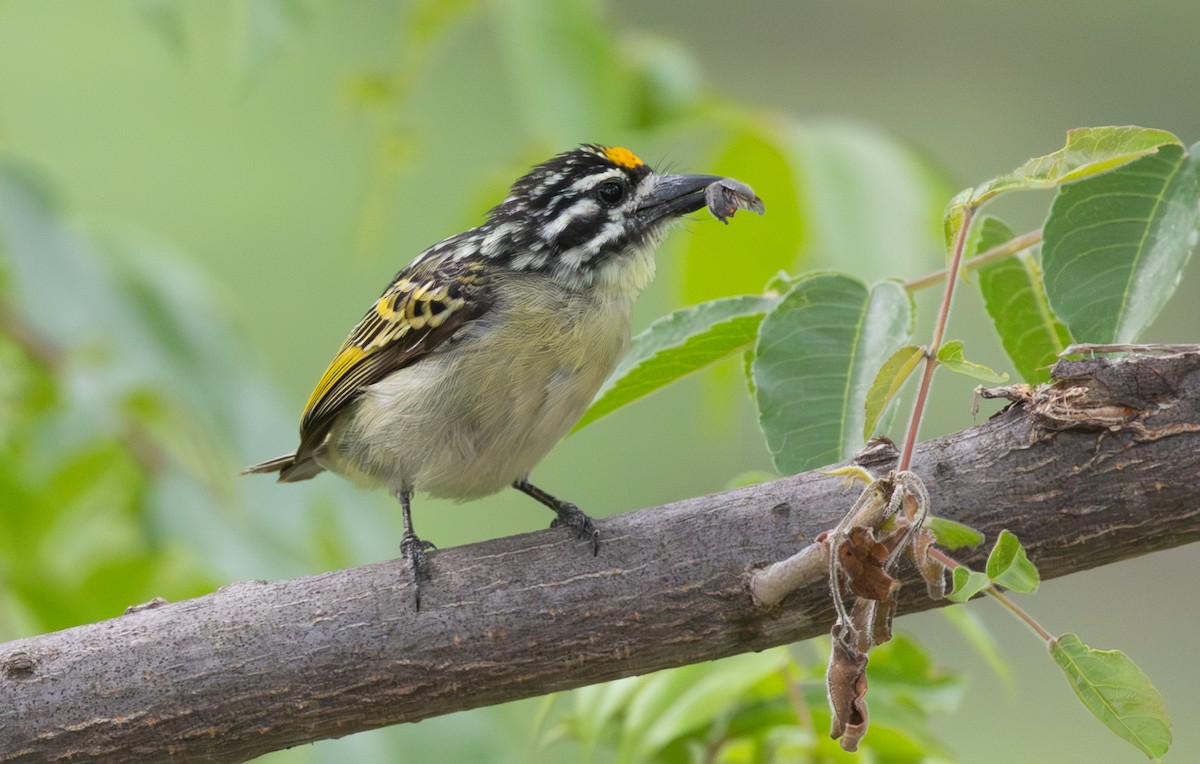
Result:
675,195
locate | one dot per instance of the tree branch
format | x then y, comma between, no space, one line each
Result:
1099,468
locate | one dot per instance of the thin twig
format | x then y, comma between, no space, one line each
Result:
995,593
998,252
1019,612
939,330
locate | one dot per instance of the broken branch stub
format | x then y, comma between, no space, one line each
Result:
860,561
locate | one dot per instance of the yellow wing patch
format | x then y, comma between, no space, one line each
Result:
345,359
623,157
421,312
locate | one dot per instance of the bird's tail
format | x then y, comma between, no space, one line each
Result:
288,468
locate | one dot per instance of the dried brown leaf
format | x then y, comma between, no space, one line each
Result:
932,571
911,507
862,561
846,683
872,621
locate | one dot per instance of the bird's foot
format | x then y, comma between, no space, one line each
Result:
570,516
413,549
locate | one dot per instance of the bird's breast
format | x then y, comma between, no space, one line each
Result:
468,420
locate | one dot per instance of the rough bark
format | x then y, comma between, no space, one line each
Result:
1084,479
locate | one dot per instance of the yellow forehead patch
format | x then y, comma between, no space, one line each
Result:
623,157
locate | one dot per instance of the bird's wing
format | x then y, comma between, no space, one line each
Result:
422,308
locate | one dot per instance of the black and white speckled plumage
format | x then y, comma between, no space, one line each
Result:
556,218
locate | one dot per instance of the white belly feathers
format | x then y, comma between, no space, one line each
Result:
466,424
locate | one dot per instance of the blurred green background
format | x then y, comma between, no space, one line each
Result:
263,167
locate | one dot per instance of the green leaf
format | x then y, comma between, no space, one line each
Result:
781,282
950,355
565,72
967,583
816,356
739,258
1088,151
1117,693
1115,245
651,699
1016,300
891,377
596,706
679,344
952,535
953,221
718,688
1009,566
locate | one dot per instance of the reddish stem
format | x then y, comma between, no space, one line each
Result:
988,256
939,330
995,593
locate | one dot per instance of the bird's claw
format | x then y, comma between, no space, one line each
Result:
413,549
570,516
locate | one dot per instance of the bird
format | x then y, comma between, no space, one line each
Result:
488,347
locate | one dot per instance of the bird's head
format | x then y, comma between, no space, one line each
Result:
583,212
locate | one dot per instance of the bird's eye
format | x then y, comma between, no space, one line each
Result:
611,191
